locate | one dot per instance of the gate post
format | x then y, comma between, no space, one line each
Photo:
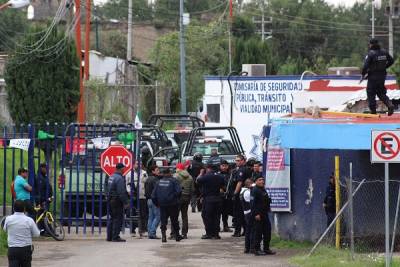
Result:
31,160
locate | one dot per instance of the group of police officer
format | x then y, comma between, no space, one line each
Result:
222,190
238,191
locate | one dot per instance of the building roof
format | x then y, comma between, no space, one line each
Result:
333,130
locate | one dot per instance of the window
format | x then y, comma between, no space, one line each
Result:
213,113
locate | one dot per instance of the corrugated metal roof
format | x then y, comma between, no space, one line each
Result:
362,95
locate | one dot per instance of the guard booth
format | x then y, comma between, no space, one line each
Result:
72,154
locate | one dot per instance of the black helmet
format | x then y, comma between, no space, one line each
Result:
145,150
197,156
250,162
374,41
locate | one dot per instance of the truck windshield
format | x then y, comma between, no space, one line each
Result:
225,147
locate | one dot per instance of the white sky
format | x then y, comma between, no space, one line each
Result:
343,2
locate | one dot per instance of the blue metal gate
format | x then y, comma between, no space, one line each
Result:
73,168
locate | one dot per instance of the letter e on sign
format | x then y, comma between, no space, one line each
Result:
385,146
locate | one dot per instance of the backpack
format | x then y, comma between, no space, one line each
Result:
12,189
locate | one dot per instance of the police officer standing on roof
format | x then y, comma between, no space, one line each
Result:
166,195
117,198
260,206
375,65
212,184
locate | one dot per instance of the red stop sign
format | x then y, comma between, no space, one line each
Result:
114,155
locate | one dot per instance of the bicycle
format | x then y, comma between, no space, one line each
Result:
51,225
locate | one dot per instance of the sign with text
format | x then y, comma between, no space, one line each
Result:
114,155
277,179
385,146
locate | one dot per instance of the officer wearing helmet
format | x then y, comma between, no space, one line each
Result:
375,65
196,169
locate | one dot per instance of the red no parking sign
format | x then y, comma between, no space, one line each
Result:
385,146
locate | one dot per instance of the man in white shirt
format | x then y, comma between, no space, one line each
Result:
20,230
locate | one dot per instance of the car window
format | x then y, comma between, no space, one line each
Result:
224,148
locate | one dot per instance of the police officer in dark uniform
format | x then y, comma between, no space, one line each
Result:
330,201
238,177
375,65
211,184
117,198
226,196
260,206
194,170
166,195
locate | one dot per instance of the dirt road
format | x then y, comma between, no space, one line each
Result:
94,251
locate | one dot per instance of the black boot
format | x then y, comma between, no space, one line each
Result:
390,110
164,237
178,238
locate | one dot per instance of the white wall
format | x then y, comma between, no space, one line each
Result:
253,100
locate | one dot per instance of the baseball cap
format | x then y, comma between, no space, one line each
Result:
180,166
119,166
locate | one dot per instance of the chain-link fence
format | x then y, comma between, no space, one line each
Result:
367,217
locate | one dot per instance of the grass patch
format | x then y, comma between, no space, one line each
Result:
3,243
277,242
17,158
331,257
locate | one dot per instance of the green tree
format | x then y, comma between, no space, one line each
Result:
43,83
118,9
12,26
205,55
253,51
114,44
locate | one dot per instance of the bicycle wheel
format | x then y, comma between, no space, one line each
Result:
54,228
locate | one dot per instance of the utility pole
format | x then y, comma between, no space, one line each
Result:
87,38
78,41
130,80
373,19
129,37
182,58
391,13
230,35
97,29
263,21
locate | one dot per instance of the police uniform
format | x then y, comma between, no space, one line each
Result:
117,198
226,201
375,65
240,175
260,205
194,171
211,184
166,195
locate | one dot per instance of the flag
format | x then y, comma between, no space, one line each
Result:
230,9
138,123
20,143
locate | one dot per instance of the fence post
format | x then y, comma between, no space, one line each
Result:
337,194
351,212
5,171
395,224
334,220
31,159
